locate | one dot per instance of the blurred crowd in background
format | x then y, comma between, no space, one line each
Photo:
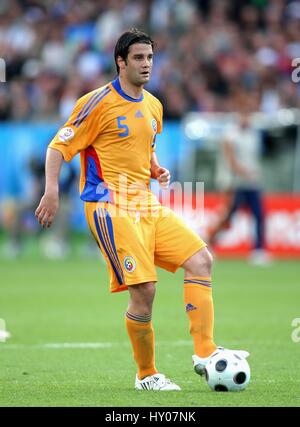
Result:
206,53
215,56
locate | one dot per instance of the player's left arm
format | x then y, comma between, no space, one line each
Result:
161,174
158,172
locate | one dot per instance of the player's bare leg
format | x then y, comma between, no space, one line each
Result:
141,298
141,334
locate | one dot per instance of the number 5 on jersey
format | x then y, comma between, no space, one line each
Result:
122,126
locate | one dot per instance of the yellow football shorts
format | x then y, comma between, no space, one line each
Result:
134,244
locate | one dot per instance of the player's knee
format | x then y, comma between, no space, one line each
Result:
210,259
148,291
142,296
204,263
200,264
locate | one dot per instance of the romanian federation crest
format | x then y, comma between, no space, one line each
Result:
129,264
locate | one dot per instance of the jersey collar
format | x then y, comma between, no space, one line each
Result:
117,87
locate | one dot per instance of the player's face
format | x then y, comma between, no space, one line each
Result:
139,64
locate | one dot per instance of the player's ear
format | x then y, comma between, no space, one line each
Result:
121,62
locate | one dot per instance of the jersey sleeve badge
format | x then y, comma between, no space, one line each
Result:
154,125
66,134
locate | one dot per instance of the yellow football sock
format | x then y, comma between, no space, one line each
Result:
141,335
200,310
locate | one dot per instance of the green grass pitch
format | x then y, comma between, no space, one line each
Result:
69,345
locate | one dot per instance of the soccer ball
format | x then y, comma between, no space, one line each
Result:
227,371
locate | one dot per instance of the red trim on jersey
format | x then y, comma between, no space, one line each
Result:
91,152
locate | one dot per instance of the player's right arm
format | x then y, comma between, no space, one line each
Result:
81,129
48,206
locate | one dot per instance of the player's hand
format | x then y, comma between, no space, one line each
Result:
47,209
163,177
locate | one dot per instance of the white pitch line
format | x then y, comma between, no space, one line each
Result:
104,345
63,345
79,345
83,345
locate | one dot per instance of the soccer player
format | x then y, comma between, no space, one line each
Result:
114,129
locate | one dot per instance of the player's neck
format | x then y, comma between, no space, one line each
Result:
130,89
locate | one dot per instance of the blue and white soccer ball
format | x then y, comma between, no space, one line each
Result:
227,371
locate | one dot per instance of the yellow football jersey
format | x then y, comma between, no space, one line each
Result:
115,135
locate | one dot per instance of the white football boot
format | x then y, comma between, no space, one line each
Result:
155,382
199,363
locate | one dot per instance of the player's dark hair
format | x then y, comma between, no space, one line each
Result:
126,40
